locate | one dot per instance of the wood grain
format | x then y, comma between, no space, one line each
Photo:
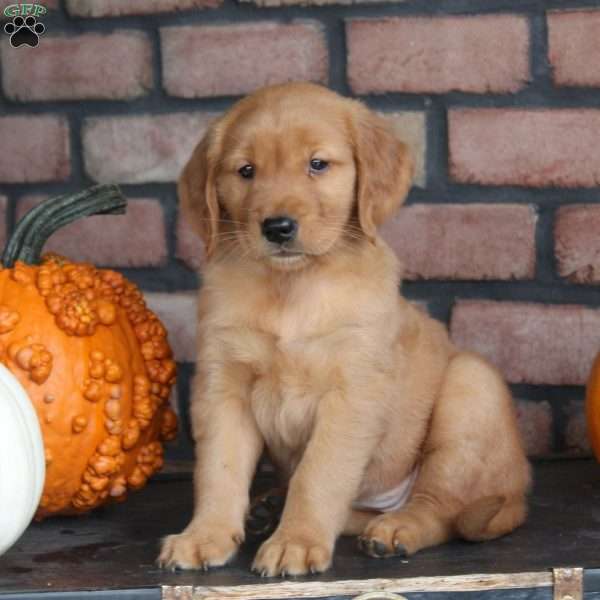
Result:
292,589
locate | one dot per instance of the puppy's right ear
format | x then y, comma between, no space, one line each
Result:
197,191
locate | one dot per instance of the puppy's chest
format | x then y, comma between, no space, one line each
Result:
289,345
285,394
291,372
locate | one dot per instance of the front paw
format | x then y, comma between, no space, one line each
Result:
199,547
292,553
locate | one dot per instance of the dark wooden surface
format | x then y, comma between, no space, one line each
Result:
115,548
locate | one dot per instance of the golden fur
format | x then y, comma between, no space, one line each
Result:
313,353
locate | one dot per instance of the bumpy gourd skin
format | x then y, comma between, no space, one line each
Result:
97,366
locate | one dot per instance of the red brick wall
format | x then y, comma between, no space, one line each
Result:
498,99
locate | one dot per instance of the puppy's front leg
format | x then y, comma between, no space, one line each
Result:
321,490
228,445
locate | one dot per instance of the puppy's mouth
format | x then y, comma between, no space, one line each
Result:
287,255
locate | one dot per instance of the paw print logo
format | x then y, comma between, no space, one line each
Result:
24,31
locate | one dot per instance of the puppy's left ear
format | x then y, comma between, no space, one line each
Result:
384,169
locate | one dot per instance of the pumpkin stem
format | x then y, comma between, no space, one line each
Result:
34,229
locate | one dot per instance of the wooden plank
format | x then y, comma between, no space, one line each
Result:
292,589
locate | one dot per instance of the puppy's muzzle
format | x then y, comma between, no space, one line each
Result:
279,230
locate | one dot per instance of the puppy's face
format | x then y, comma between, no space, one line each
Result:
287,181
293,173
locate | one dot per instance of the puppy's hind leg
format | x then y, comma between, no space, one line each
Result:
491,517
474,475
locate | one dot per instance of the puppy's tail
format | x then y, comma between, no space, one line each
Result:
490,517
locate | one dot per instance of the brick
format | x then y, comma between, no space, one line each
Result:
189,248
480,54
135,239
117,8
177,311
411,129
142,148
472,242
88,66
530,342
230,60
574,47
537,148
535,424
34,148
576,435
576,242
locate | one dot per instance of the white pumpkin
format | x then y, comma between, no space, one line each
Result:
22,464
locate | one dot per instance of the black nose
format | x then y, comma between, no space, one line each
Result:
279,229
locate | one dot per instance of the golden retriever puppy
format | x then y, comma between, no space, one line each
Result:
379,424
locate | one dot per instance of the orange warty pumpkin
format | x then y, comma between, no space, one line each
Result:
92,357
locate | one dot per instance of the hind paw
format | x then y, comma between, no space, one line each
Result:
391,534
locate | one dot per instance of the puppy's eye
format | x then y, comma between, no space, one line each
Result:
247,171
316,164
